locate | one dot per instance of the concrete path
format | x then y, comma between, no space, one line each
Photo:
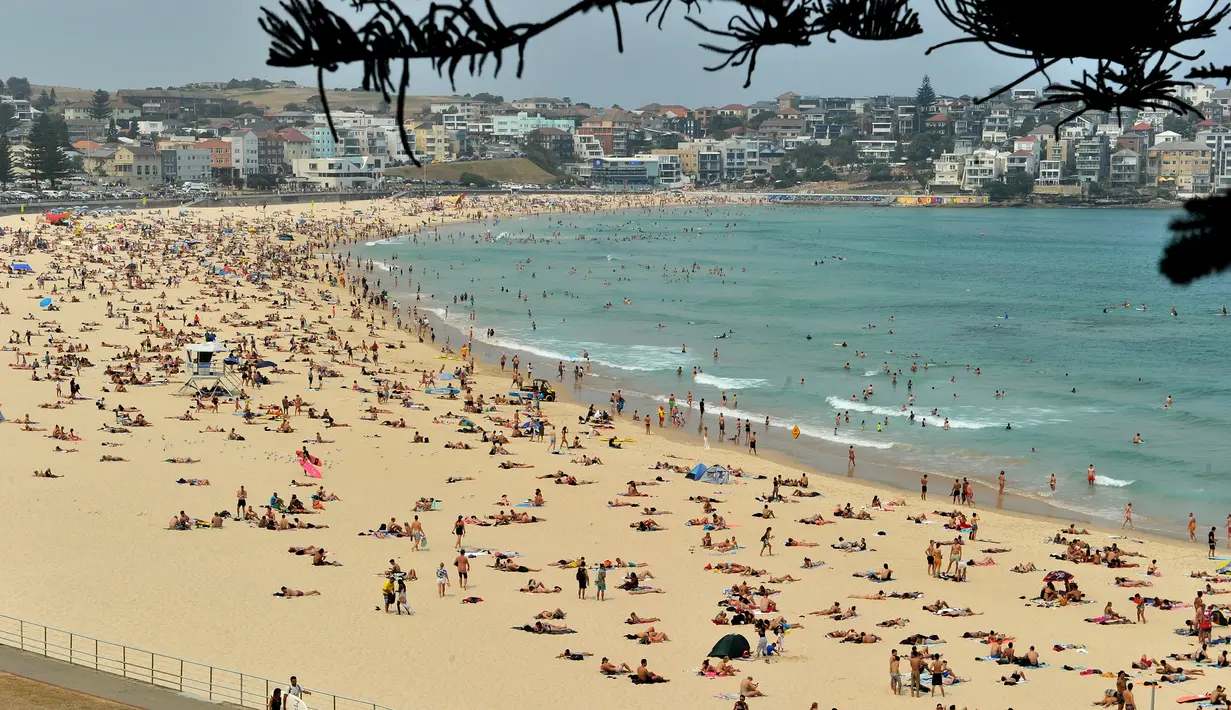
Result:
29,681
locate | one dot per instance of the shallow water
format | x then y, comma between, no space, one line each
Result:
947,278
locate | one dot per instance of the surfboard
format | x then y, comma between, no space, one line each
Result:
294,703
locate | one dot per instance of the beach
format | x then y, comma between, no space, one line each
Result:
98,537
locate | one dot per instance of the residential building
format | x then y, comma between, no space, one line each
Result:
222,170
1021,162
21,107
947,172
777,129
395,152
1025,95
611,132
432,143
1091,159
1167,137
739,111
1060,150
551,140
982,167
1031,144
244,153
907,120
1134,141
690,159
965,145
1111,130
1218,140
1051,172
353,119
85,129
100,162
876,151
1125,170
587,147
269,153
939,124
539,103
788,101
370,140
516,127
342,172
174,104
136,166
295,146
1186,166
323,145
760,107
185,163
998,125
290,118
119,111
704,114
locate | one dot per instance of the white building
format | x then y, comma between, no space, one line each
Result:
186,164
587,147
1167,137
1051,172
516,127
947,171
244,151
982,167
638,171
876,151
341,173
1218,138
353,119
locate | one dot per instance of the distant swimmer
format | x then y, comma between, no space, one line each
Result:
1009,426
809,336
1224,309
1174,312
1137,438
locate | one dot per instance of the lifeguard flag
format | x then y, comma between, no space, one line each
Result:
795,432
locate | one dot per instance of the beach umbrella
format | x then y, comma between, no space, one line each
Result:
445,376
1225,568
466,422
1058,575
266,363
45,302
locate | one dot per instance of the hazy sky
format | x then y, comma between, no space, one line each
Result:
140,43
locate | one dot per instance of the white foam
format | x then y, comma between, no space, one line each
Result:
632,358
1019,417
811,431
728,383
1101,480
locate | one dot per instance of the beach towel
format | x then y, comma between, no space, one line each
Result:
1107,621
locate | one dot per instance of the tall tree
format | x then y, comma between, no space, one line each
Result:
8,118
19,88
100,105
45,158
925,96
6,163
53,96
43,102
113,133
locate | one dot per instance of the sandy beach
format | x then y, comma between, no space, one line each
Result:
92,550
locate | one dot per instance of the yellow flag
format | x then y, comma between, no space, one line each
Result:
795,432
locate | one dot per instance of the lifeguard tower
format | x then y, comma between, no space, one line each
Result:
208,372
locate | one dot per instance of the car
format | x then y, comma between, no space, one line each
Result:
544,390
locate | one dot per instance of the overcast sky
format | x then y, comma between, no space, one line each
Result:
141,43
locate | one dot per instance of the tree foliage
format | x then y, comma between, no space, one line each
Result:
472,179
18,87
8,118
925,96
1136,66
1010,187
6,164
44,101
100,105
44,158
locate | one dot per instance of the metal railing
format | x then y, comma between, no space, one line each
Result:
170,672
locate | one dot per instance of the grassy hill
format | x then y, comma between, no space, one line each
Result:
519,170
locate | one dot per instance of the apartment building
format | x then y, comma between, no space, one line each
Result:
137,166
1051,172
341,173
1125,169
1186,166
982,167
185,163
1218,140
948,172
876,151
1091,158
516,127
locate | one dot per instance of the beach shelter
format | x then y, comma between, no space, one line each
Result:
730,646
716,475
21,268
1058,575
696,472
1225,568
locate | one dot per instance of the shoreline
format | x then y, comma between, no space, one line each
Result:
183,586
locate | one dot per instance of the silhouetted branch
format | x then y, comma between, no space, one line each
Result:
1210,71
1202,242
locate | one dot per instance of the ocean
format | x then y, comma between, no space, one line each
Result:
1026,302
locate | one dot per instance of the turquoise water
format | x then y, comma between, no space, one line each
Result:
771,276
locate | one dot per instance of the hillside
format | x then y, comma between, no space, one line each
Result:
274,98
518,170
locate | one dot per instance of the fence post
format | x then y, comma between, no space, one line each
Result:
124,661
181,674
95,654
211,686
45,641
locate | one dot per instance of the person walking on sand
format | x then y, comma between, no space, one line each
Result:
462,563
1128,517
766,542
442,580
850,456
241,502
583,579
1213,540
705,439
1192,528
895,674
1001,491
459,529
923,495
600,583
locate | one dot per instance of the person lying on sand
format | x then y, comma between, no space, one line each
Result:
458,445
540,628
514,464
509,564
606,667
836,608
549,614
535,587
1126,582
646,526
194,481
109,457
648,636
784,578
289,593
182,459
1023,567
46,474
792,542
816,519
891,623
574,655
878,596
634,619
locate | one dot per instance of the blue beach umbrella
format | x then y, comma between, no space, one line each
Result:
445,376
45,302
